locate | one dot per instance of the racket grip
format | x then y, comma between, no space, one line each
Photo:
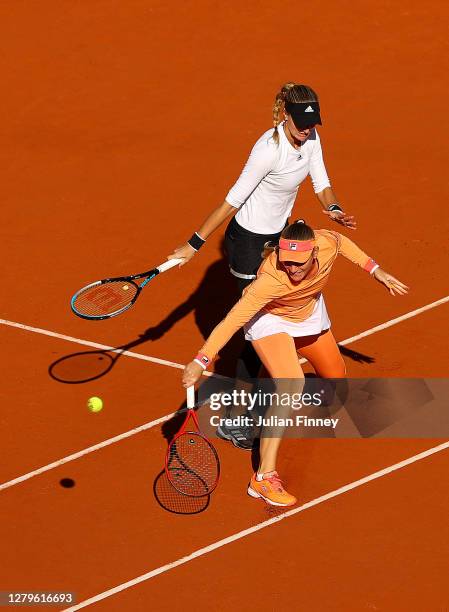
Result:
191,397
171,263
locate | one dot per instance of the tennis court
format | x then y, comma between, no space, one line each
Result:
124,123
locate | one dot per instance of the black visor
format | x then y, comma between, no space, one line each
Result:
304,114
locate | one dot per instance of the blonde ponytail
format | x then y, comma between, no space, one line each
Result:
278,107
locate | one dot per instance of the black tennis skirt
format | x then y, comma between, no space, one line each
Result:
244,250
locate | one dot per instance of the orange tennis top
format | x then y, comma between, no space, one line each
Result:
273,292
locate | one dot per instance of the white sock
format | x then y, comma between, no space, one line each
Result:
259,476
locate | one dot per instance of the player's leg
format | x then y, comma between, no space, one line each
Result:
279,357
322,353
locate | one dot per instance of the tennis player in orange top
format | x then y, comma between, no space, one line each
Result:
284,314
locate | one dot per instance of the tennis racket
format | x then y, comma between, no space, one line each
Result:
191,463
111,296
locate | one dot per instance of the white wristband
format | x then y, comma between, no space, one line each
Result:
199,363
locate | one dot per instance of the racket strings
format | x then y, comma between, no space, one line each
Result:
105,298
193,466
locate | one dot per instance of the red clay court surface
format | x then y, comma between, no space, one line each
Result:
123,124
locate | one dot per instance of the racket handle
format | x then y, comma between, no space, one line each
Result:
191,397
171,263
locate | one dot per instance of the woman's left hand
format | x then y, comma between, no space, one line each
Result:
192,373
342,218
394,286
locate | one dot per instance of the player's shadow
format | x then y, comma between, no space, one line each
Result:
355,355
210,302
85,366
171,500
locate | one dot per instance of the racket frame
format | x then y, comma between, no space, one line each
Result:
183,430
148,275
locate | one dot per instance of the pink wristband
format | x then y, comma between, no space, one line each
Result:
371,266
202,360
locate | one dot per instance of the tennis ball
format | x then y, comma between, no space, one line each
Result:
125,287
95,404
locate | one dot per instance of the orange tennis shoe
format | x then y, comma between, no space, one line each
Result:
270,489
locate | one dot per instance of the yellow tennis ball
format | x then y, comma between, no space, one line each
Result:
125,287
95,404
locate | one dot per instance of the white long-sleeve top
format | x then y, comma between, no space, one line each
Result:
267,187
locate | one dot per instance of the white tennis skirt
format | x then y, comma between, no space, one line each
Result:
266,324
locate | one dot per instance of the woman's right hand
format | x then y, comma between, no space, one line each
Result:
184,252
192,373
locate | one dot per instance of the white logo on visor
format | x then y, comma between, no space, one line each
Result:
309,109
293,246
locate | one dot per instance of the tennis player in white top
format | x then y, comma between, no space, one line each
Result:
262,199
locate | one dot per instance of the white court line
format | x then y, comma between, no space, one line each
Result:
46,332
389,323
246,532
127,434
85,451
91,449
403,317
